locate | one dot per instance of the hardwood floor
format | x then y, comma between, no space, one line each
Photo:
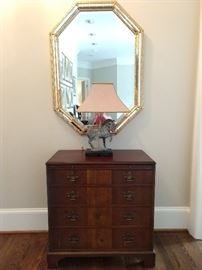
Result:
27,251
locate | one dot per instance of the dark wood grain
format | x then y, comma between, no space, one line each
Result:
27,251
23,251
119,156
100,206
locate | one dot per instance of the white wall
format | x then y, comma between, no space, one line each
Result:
31,132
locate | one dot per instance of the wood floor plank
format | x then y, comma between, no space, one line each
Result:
193,249
37,249
182,257
27,251
159,249
14,247
163,252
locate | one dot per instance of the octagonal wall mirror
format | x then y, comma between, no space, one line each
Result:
96,43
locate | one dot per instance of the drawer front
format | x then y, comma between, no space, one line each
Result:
100,197
127,239
71,176
99,239
75,239
134,216
66,195
102,217
130,176
140,195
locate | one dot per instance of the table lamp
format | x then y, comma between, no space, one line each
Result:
101,99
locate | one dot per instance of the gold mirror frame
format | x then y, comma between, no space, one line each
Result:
138,43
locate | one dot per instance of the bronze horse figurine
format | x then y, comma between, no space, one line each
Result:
105,130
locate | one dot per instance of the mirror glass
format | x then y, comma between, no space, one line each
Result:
96,44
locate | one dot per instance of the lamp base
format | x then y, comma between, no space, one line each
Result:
99,153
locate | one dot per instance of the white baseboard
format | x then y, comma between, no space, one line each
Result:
171,217
31,219
20,219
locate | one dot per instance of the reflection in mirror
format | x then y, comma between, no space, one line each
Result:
96,46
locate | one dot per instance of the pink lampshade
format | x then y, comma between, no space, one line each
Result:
102,98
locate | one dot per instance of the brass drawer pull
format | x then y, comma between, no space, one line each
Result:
72,216
72,178
72,195
74,239
129,177
129,195
128,237
129,216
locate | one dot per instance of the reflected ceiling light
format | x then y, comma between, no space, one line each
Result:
92,34
89,21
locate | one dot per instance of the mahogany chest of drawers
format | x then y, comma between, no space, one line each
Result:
100,206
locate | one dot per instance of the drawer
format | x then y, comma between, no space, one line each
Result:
140,195
62,195
102,217
71,176
137,240
75,239
136,217
99,239
131,176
